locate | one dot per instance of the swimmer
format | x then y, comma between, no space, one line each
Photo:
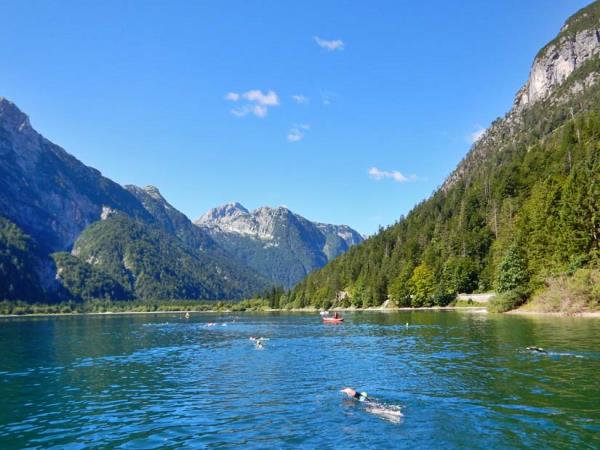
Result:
391,413
360,396
536,349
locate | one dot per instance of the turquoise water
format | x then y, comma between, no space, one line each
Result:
461,380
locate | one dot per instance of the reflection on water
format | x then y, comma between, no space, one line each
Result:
450,380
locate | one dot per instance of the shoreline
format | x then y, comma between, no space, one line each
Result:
582,314
473,309
467,309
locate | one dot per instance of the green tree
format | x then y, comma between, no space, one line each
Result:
422,286
512,271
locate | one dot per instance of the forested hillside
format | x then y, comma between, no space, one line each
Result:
521,210
130,258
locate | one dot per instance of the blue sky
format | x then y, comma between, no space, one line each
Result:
197,98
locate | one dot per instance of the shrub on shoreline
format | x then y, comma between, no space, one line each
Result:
506,301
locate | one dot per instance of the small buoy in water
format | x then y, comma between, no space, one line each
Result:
406,324
187,315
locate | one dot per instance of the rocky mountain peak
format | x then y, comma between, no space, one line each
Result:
12,117
222,213
153,192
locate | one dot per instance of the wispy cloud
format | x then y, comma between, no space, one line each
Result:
257,102
328,97
475,135
395,175
296,133
300,99
329,45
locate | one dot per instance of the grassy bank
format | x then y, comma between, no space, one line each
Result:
17,308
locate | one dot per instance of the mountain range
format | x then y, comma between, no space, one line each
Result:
68,232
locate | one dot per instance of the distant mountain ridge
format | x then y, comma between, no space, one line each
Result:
276,242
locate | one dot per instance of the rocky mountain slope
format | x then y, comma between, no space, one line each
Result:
521,211
276,242
48,198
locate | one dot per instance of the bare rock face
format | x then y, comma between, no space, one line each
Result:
556,62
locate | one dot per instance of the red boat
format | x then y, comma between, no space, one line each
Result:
333,319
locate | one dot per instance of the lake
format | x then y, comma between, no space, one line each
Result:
460,380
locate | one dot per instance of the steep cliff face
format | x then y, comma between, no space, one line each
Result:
47,192
275,241
557,62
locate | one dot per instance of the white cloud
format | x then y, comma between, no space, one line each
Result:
397,176
257,102
329,45
268,99
300,99
296,133
476,135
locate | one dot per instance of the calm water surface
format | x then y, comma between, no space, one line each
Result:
462,380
